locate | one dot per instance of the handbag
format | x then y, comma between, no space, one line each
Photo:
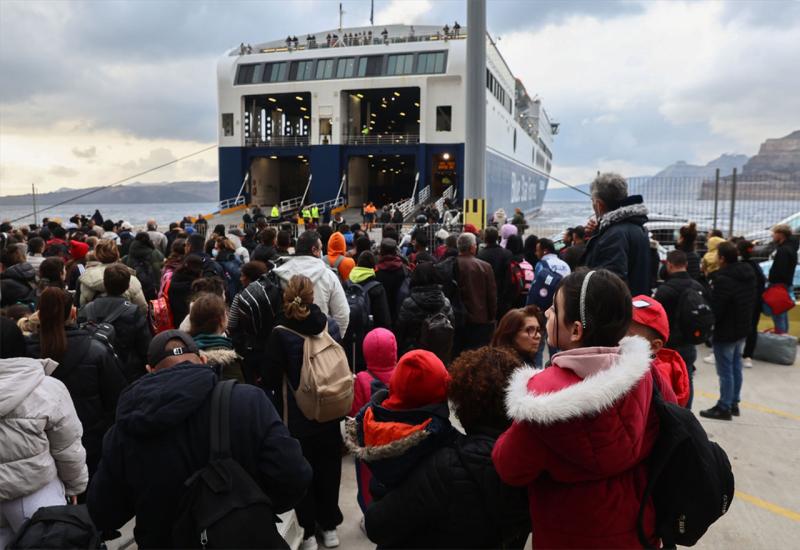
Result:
777,299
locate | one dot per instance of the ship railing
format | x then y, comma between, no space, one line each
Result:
277,141
230,203
449,193
330,204
424,195
376,40
382,139
291,204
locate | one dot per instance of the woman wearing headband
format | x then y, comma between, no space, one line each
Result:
581,428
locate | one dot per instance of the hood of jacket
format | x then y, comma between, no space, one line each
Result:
361,274
311,325
162,400
505,232
590,409
19,376
380,350
310,266
712,243
23,272
428,298
672,369
336,245
140,252
632,210
741,272
389,263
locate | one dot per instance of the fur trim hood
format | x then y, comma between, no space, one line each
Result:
635,213
220,356
581,383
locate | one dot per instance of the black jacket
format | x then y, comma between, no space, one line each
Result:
253,313
391,273
161,437
180,291
784,264
423,302
92,374
17,284
621,245
500,259
379,305
132,335
574,254
453,499
264,253
285,358
692,262
669,294
733,297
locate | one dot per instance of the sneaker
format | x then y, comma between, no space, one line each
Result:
717,413
735,410
309,544
709,359
747,363
330,539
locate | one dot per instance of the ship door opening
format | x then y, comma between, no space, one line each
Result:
276,120
275,179
381,116
382,179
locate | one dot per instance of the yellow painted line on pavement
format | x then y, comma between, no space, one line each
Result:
754,406
769,506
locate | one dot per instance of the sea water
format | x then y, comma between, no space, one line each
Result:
135,214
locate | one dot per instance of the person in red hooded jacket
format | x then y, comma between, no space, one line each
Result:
650,321
584,426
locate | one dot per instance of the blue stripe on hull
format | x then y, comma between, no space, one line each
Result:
511,185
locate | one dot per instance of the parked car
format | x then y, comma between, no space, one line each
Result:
762,239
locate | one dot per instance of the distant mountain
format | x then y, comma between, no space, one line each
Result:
726,163
563,194
777,157
132,193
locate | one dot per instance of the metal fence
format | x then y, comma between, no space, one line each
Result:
737,204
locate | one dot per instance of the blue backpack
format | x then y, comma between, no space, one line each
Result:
544,287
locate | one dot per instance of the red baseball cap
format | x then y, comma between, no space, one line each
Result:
419,379
649,312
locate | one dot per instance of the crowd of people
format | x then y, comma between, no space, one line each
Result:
465,432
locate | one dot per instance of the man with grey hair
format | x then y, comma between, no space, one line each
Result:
619,240
158,239
478,293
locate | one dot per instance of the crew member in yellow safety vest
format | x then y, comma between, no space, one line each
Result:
275,213
315,213
306,214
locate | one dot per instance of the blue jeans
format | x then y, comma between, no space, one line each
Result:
781,322
728,356
689,355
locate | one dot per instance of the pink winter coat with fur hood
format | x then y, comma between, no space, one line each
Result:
582,431
380,355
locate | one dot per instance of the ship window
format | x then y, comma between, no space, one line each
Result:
301,70
346,67
432,62
438,66
325,68
400,64
246,73
227,124
362,66
275,72
374,65
444,116
515,140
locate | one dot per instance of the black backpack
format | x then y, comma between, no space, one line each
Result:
436,335
223,507
695,318
65,526
56,249
147,277
104,330
360,309
447,269
689,478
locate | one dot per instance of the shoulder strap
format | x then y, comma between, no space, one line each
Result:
339,259
220,424
117,313
303,336
369,285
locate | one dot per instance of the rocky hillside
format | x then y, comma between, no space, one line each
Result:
132,193
778,157
726,163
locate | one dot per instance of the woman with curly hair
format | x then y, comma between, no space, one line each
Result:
520,330
454,498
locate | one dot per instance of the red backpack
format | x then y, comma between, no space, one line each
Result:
158,312
522,275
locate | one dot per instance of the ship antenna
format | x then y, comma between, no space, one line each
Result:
372,13
341,13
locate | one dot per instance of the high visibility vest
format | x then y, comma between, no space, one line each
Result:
315,212
306,213
275,212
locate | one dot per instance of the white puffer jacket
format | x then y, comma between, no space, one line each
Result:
40,434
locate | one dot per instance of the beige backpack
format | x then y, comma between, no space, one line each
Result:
325,391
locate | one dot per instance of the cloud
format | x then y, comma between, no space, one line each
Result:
404,11
62,171
87,153
156,157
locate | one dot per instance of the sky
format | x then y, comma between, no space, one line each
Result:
93,92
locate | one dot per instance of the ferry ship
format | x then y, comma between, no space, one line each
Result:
359,114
